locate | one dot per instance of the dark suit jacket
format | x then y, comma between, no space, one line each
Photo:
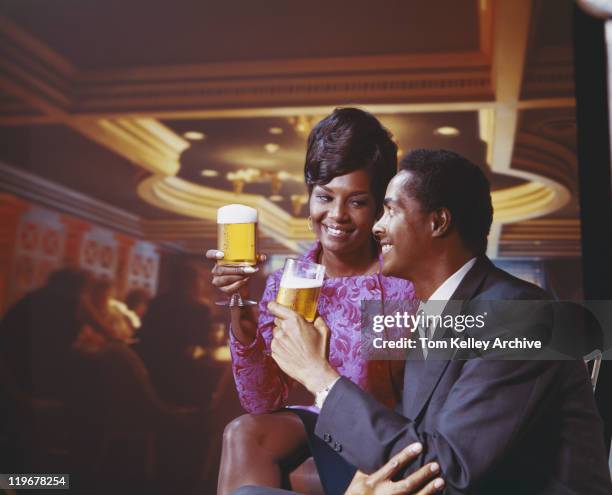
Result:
494,426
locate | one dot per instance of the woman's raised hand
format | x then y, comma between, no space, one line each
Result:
232,279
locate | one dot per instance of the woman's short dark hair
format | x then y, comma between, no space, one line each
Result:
445,179
346,141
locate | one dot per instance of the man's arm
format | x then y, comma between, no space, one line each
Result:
485,412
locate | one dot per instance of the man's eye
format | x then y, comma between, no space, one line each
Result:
359,203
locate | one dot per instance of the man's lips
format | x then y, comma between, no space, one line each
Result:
385,248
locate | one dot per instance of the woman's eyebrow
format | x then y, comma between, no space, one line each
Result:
353,193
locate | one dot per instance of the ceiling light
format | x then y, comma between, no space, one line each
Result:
271,147
194,135
209,173
275,130
276,198
447,131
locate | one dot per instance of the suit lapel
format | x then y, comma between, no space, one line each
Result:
428,372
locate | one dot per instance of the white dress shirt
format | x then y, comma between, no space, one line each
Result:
435,305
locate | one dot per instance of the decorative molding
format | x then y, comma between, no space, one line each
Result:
535,154
549,80
544,228
46,81
303,89
57,197
145,142
186,198
172,235
544,238
510,46
34,72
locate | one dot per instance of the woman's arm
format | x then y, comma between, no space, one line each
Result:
232,279
262,387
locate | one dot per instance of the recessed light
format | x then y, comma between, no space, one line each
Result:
194,135
276,198
209,173
275,130
447,131
271,147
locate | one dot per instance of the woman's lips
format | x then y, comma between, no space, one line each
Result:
386,248
336,233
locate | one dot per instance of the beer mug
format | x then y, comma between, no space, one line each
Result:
300,286
237,238
237,235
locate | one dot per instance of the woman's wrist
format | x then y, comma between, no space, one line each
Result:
244,325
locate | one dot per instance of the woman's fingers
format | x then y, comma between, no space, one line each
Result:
220,270
235,287
417,480
214,254
399,460
226,280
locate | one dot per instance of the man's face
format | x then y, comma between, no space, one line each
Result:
404,230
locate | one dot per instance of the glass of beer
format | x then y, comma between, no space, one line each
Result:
300,286
237,238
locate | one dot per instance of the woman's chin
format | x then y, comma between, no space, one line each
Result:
338,244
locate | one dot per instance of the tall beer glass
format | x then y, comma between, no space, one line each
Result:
300,286
237,238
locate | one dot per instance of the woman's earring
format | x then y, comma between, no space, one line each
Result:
310,224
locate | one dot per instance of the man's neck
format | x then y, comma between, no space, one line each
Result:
437,271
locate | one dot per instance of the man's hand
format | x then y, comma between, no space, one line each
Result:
379,483
300,348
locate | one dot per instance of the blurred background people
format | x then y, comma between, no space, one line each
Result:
175,333
37,333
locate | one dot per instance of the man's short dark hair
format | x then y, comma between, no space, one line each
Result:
445,179
346,141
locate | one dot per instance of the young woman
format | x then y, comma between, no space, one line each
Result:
349,161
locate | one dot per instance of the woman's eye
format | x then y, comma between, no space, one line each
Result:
324,197
359,203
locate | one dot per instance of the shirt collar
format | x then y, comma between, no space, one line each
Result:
436,304
448,288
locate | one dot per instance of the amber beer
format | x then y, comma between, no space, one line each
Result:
237,235
300,287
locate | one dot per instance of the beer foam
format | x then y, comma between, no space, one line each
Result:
293,282
236,214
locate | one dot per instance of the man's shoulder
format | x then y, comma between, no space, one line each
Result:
501,285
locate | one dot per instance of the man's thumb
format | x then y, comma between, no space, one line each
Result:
322,327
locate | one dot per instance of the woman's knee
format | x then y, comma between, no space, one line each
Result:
278,434
241,429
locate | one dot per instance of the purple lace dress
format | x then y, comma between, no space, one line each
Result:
263,387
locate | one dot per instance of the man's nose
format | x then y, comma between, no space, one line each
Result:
378,228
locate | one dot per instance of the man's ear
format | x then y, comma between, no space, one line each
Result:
440,222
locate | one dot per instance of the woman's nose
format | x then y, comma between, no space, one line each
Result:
338,211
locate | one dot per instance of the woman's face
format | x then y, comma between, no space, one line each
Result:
343,212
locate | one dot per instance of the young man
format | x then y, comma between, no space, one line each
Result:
493,426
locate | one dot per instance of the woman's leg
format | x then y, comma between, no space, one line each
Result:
254,446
